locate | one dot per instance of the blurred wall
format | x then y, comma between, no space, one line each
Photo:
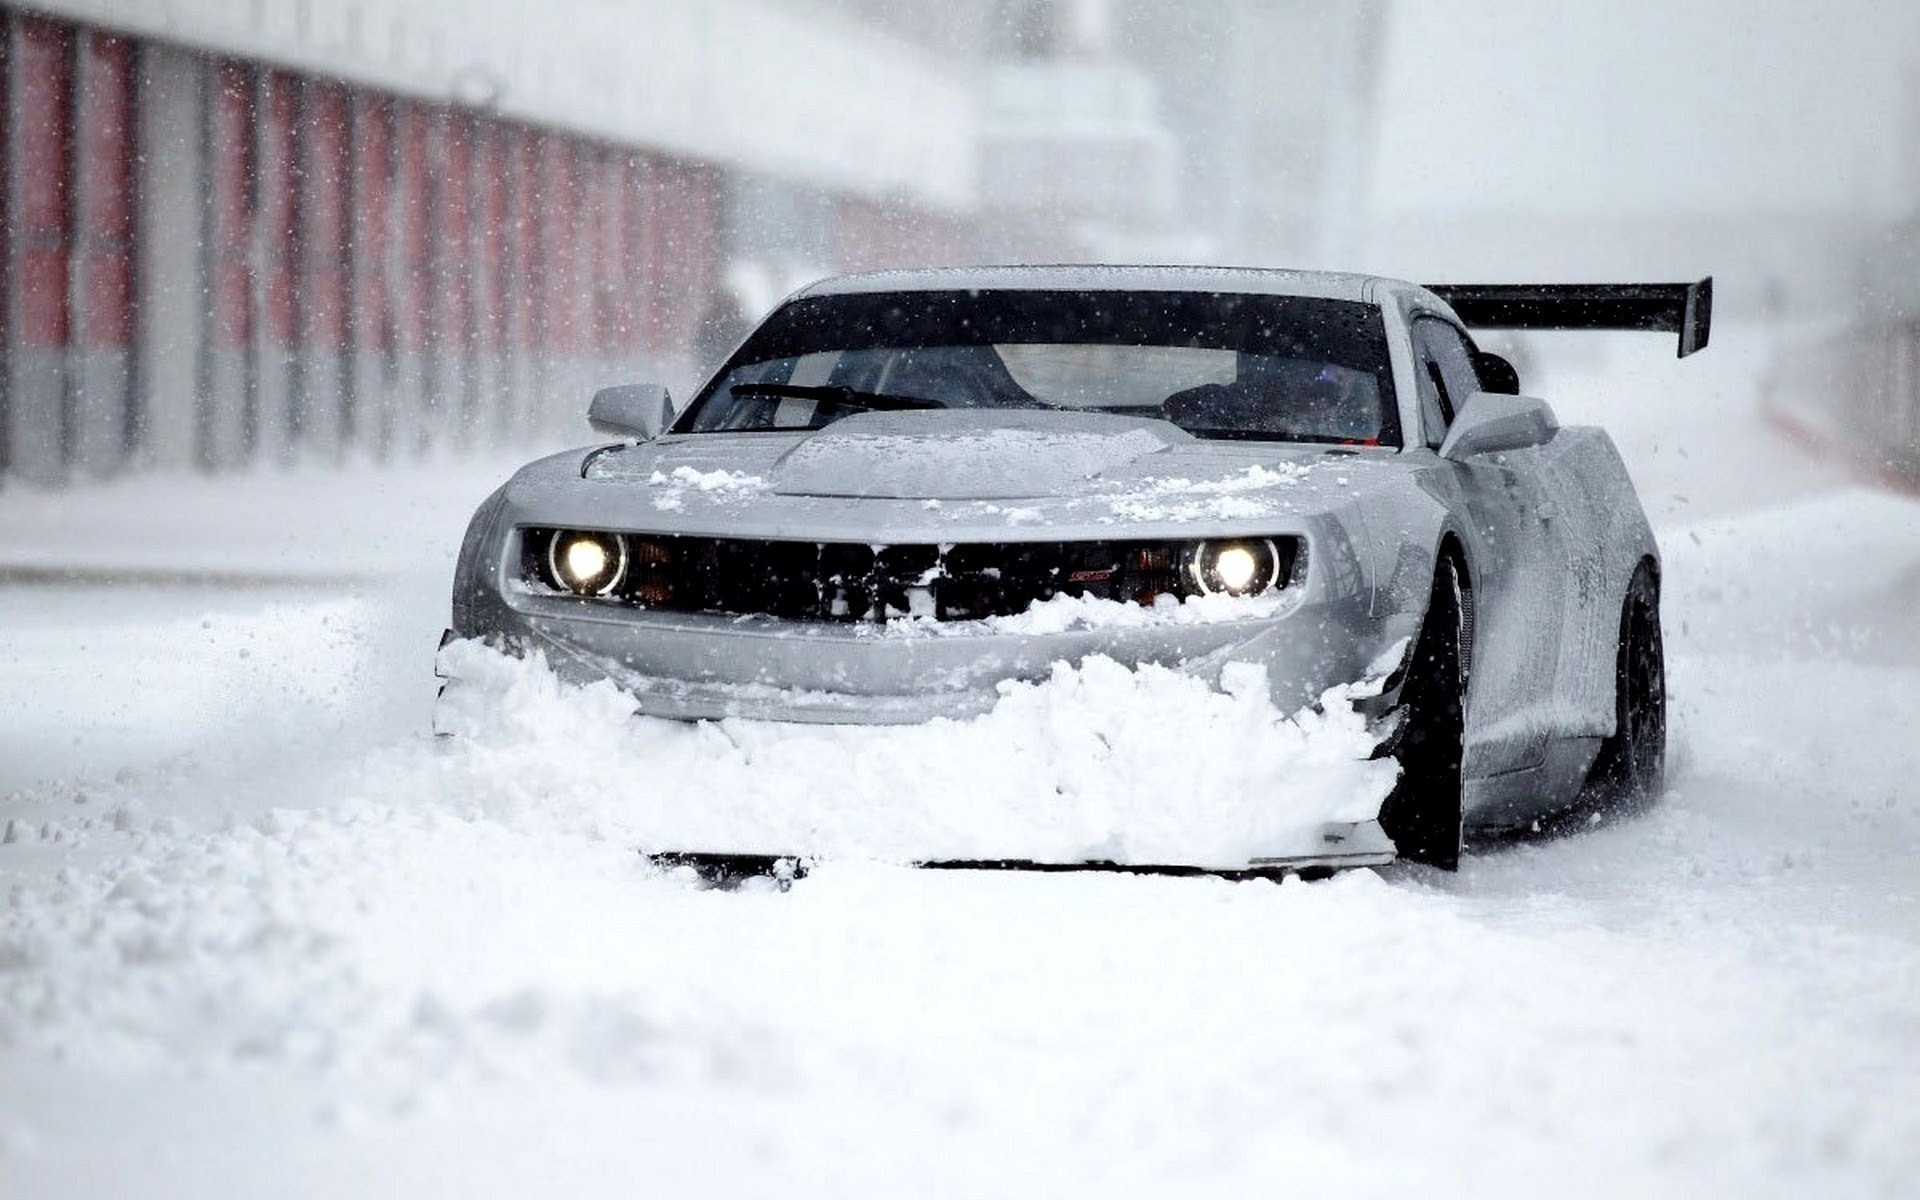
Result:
261,231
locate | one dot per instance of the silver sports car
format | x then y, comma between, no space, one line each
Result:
904,488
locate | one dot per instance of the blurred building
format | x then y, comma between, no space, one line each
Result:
235,231
1852,388
1273,106
294,228
1075,164
1235,131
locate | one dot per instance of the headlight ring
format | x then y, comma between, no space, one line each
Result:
585,562
1236,567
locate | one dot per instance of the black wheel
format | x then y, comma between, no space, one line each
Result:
1631,765
1423,812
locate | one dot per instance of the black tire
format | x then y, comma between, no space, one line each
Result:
1630,769
1423,813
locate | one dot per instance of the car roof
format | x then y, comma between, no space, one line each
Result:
1327,285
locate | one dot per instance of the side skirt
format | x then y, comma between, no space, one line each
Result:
1515,800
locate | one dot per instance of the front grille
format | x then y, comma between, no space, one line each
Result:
848,582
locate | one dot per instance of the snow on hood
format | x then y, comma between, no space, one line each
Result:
1099,761
967,455
670,486
958,475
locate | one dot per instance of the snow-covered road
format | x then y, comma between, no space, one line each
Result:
260,935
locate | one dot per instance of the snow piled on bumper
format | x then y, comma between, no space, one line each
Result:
1100,762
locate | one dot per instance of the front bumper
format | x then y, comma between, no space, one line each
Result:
706,667
711,668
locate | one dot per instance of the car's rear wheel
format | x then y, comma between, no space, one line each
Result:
1423,813
1631,765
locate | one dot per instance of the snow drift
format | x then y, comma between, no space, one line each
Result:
1098,762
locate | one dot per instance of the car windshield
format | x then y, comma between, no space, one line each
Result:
1219,365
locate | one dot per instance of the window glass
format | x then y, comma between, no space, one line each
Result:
1280,368
1447,374
1435,413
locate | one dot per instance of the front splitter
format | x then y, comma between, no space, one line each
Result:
1347,846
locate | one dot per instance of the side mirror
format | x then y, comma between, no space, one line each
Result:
1490,422
639,410
1497,373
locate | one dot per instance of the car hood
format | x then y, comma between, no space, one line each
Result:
963,455
955,476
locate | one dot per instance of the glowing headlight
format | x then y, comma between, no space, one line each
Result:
1237,568
587,564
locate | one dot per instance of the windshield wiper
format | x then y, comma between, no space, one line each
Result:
837,394
1276,435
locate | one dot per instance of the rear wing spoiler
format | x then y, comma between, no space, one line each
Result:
1682,308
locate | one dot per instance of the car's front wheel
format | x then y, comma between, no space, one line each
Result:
1423,813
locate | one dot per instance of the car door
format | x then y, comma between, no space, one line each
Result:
1519,568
